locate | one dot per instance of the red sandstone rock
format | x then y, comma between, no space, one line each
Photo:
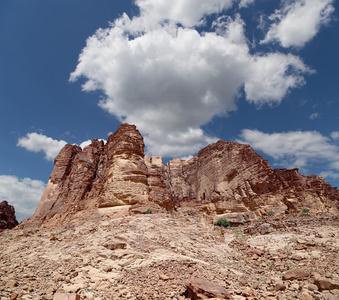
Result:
326,284
7,216
224,179
125,173
296,274
198,288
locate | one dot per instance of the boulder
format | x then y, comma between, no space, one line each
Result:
198,288
326,284
296,274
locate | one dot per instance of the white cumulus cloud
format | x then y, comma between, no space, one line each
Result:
186,12
299,149
270,78
23,194
169,80
298,21
37,142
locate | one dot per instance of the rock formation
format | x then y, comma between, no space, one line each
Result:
224,179
7,216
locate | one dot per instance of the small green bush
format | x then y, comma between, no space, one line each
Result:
271,213
305,210
148,211
222,222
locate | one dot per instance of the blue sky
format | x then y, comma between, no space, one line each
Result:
186,72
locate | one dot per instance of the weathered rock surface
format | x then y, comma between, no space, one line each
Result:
225,179
7,216
154,256
198,288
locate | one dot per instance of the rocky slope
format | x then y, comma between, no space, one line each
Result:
224,179
114,223
7,216
163,256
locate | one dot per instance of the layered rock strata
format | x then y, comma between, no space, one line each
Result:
223,179
7,216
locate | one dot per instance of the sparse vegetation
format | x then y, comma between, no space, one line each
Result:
271,213
305,210
148,211
239,234
222,222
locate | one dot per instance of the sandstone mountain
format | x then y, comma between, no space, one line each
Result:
7,216
224,179
91,238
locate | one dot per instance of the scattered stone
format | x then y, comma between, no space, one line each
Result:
115,245
14,295
280,286
58,277
198,288
306,296
164,277
326,284
265,228
248,292
311,287
296,274
11,283
60,296
107,268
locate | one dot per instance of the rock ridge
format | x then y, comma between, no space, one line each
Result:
224,179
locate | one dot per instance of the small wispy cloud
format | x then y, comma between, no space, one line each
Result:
37,142
314,116
295,149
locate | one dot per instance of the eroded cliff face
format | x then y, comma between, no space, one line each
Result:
7,216
223,179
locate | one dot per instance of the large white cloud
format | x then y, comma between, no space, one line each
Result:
37,142
297,22
270,77
186,12
169,80
300,149
23,194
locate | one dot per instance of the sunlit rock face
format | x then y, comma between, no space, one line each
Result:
223,179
